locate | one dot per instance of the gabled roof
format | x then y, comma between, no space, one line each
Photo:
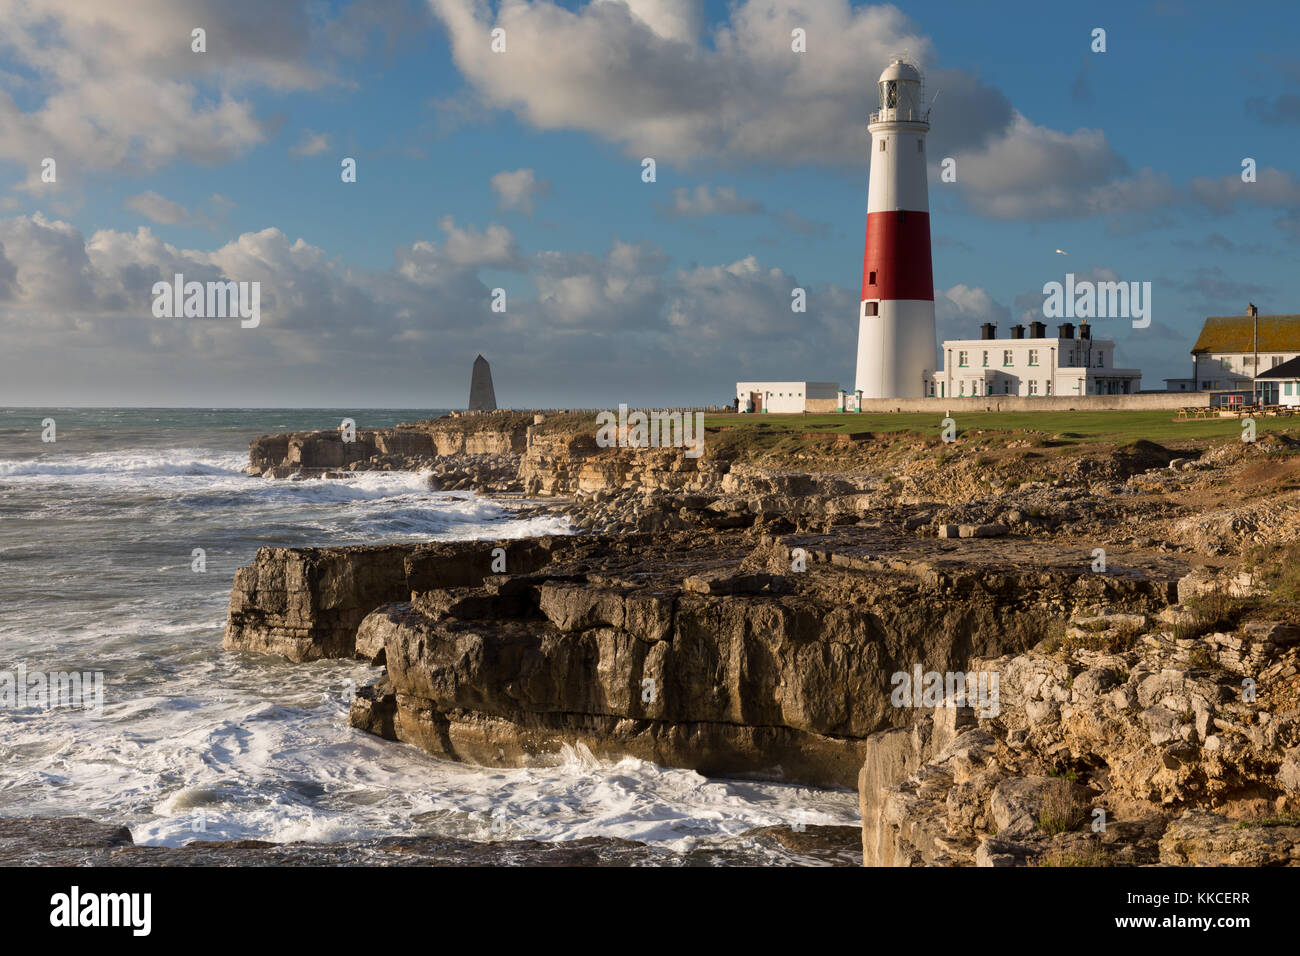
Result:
1236,333
1289,369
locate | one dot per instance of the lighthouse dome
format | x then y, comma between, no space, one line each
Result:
900,69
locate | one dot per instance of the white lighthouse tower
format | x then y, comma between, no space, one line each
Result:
896,336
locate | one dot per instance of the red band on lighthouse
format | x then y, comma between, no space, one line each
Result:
898,255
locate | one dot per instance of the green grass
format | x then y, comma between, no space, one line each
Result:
1288,820
1215,611
1093,857
1057,428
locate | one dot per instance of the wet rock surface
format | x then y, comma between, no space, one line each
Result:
75,841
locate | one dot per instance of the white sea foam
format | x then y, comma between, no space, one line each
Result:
260,747
137,462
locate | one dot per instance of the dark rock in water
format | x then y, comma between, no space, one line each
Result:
76,841
482,398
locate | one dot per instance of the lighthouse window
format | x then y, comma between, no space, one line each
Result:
882,145
891,95
872,280
873,308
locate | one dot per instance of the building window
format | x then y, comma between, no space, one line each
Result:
986,359
961,387
1006,387
1033,387
1049,386
1033,356
1286,388
872,279
1277,360
961,359
1101,359
1006,357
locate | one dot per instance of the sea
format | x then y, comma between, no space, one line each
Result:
119,541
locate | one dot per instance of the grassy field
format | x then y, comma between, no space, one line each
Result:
1119,427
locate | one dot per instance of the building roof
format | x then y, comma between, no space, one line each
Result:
1236,333
1290,369
900,69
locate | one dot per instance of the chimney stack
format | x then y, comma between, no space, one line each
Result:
988,331
1085,330
1065,330
1037,330
1017,331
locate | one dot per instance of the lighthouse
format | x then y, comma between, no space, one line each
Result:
896,335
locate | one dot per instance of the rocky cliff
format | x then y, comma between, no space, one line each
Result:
484,450
720,651
1129,739
749,611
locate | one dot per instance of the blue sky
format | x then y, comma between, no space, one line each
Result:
226,164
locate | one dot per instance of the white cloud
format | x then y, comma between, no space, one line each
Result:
495,246
962,309
311,144
117,86
703,201
639,76
156,208
519,189
622,325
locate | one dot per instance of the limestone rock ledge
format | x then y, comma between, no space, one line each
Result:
1190,747
696,649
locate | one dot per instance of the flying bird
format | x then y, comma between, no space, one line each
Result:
1061,252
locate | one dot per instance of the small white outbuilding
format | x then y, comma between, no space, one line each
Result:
787,398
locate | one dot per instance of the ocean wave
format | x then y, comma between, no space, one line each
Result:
138,463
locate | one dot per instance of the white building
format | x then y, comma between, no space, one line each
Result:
1225,354
787,398
1036,364
1280,385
